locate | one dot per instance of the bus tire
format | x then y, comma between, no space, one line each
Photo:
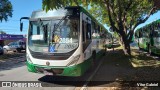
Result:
148,47
105,51
149,50
139,47
93,58
18,50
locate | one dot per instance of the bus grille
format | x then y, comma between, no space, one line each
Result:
51,56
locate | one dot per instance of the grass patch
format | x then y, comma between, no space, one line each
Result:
119,48
139,67
140,59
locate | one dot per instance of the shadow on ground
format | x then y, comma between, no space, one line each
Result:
141,59
12,60
9,66
68,81
116,71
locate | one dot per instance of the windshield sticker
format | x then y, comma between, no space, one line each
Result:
70,46
56,39
51,48
37,37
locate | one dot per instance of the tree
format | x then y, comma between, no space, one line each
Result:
122,15
2,32
5,10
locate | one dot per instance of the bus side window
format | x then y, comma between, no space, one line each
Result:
140,34
98,30
38,30
45,28
83,31
93,29
88,33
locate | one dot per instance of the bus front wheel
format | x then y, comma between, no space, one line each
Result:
18,50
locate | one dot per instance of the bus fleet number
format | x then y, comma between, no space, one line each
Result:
65,40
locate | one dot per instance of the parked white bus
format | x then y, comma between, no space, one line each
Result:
63,42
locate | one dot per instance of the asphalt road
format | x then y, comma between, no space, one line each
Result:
17,72
21,74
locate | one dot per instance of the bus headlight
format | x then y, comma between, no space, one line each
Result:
74,60
28,58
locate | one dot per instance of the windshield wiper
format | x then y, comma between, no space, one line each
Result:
57,25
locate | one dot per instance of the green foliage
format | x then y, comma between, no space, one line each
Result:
131,11
2,32
115,34
5,10
122,15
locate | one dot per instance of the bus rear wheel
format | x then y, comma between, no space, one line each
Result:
149,50
139,47
93,59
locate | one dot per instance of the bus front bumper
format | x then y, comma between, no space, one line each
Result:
76,70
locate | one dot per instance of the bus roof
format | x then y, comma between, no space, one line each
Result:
148,25
51,13
62,12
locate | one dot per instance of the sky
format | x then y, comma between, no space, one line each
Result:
21,8
24,8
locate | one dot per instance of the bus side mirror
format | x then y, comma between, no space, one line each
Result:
21,26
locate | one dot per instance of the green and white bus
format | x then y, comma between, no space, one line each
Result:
63,42
148,37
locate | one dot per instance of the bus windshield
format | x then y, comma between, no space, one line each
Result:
54,36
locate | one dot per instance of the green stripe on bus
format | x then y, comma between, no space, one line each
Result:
76,70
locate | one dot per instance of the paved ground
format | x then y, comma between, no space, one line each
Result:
12,63
14,69
109,76
21,74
